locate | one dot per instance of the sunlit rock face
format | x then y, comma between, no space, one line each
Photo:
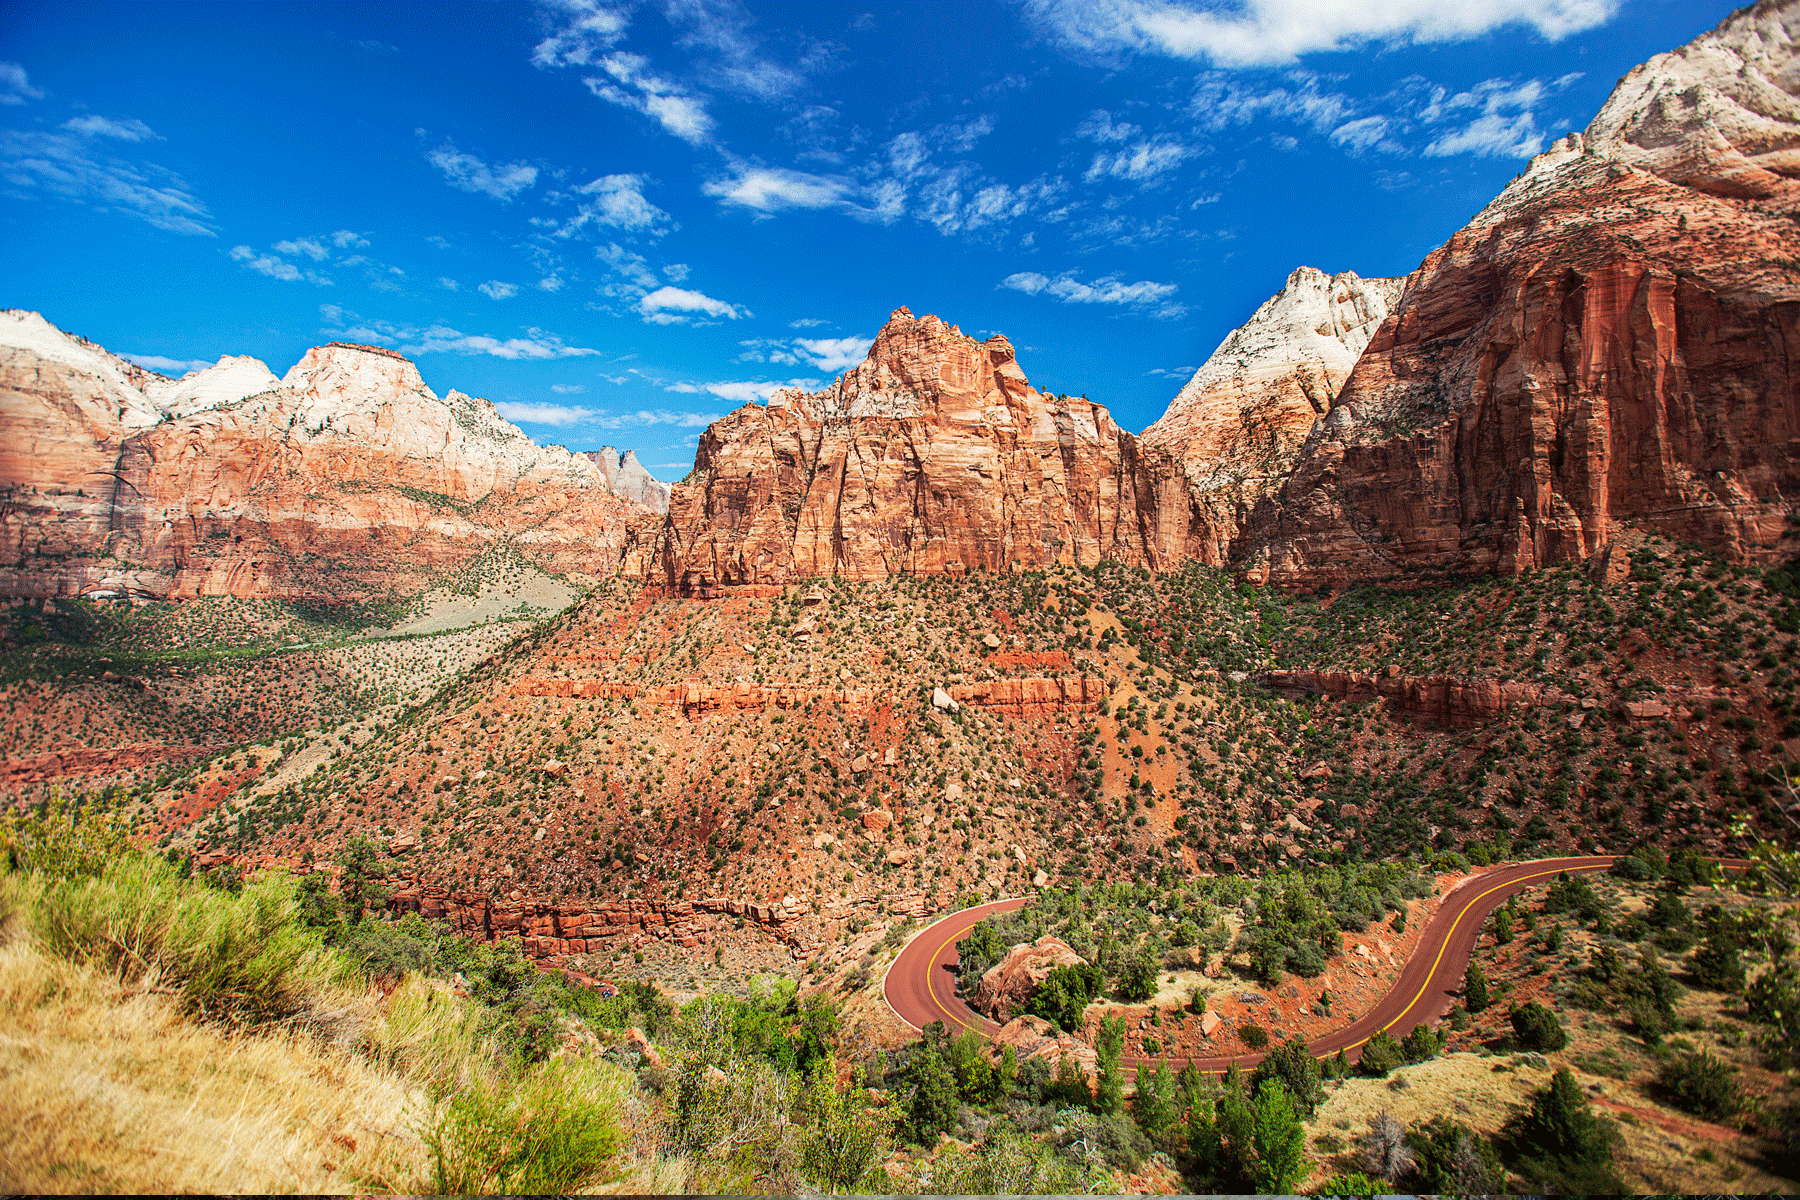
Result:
1615,337
344,479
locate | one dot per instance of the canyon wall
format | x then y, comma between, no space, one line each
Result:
344,479
1616,337
934,456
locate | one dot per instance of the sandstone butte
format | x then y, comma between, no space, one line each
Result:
1615,337
339,480
934,456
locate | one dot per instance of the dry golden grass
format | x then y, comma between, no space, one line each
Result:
1661,1144
105,1089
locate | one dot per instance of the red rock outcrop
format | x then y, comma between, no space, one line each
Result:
1616,337
1009,983
933,456
94,762
1039,698
344,478
1447,700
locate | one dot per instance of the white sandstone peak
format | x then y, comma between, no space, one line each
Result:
232,378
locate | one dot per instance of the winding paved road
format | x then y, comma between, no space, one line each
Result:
920,986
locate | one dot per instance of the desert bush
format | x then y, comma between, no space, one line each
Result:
239,956
1253,1036
63,839
1558,1144
1293,1066
1383,1150
1701,1084
1421,1042
1380,1055
845,1135
1536,1027
551,1130
1452,1159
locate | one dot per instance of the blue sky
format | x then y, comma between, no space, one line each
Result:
619,221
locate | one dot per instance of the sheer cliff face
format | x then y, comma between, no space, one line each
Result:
935,455
1615,337
348,477
627,479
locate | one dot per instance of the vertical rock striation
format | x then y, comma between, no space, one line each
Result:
935,455
1616,337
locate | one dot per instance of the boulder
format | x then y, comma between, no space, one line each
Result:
1011,981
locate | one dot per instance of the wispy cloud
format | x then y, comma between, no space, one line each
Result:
1154,298
1507,124
65,164
630,83
1270,32
772,189
1142,162
581,30
175,367
275,267
616,202
561,416
1099,126
495,289
746,391
679,306
731,55
823,354
471,174
441,339
568,389
128,130
310,247
15,85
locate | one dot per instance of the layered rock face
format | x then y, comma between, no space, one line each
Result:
1615,337
1240,421
343,479
1009,983
933,456
627,479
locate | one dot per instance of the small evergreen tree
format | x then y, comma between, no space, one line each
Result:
1475,988
1109,1081
1279,1141
1293,1066
1558,1143
1536,1027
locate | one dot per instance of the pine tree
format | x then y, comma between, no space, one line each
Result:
1109,1081
1475,988
1153,1108
1279,1140
1558,1142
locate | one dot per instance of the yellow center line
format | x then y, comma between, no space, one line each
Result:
931,978
1451,932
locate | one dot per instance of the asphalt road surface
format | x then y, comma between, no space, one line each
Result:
921,984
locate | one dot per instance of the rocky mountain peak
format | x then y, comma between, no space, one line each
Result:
342,373
1242,417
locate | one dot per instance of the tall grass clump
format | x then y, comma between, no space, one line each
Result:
552,1129
241,957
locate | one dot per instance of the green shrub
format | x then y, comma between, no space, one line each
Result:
1559,1145
1718,964
1536,1028
845,1135
1253,1036
551,1130
1065,994
1452,1159
1292,1065
242,957
1421,1042
1380,1055
1701,1084
1475,989
62,839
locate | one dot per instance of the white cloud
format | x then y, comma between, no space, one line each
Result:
1140,163
723,27
1219,102
634,268
309,247
675,306
545,414
265,264
661,99
167,366
1154,297
550,283
448,284
1098,126
568,389
1364,133
495,289
618,201
746,391
808,323
441,339
835,354
345,239
675,272
1492,136
128,130
15,85
469,173
1268,32
1182,373
584,30
61,164
771,189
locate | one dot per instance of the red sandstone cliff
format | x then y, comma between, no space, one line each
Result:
344,478
935,455
1615,337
